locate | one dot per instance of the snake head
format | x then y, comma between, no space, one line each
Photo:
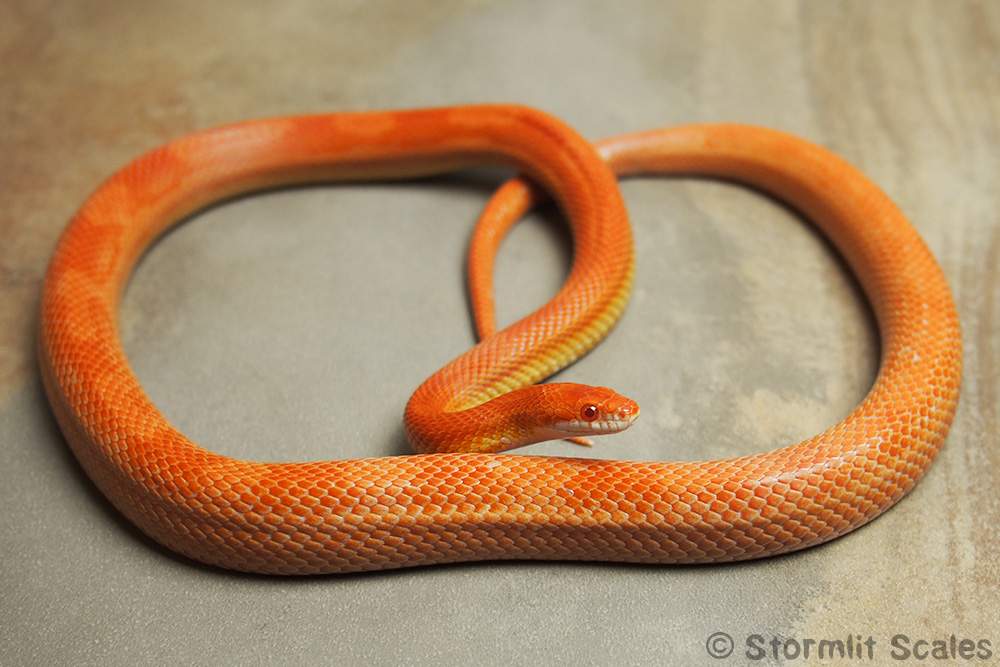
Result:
582,410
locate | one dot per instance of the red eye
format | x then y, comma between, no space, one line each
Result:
589,412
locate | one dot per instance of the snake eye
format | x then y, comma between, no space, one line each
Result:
589,412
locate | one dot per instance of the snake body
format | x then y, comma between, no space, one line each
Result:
464,501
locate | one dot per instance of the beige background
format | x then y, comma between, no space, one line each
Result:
293,325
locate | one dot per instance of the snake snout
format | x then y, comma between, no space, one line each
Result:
628,412
620,411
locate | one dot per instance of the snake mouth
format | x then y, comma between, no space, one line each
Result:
607,424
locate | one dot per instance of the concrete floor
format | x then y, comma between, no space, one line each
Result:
315,312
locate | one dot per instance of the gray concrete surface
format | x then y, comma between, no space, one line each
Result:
293,325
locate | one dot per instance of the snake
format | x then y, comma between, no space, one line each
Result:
461,496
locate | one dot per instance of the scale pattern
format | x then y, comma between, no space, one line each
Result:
369,514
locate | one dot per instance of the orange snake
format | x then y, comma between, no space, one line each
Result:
369,514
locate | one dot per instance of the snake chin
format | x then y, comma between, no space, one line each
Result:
611,424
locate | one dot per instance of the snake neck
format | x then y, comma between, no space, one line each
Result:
505,422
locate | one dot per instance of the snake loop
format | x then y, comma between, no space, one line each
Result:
448,506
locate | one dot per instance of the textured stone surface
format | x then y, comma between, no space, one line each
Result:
314,312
